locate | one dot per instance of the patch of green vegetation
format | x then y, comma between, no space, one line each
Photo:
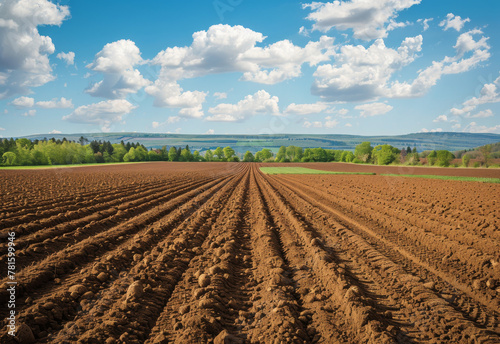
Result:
463,179
303,170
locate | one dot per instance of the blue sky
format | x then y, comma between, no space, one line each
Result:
249,67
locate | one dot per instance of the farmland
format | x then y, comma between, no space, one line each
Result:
221,252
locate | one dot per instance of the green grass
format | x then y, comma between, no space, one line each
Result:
463,179
39,167
302,170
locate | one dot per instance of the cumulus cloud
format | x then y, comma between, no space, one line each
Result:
425,22
367,19
476,51
225,48
441,118
373,109
220,95
170,120
308,109
24,53
424,130
62,103
29,113
68,57
489,94
171,95
473,127
104,113
54,132
116,61
361,74
210,132
453,22
23,102
259,103
328,123
27,102
481,114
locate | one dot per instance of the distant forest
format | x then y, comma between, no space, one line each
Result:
25,152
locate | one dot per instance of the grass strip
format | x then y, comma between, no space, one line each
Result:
463,179
303,170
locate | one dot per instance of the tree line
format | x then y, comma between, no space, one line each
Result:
58,152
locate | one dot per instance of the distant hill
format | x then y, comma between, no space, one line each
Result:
422,141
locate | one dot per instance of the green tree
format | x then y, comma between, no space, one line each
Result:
130,156
485,152
209,156
431,158
186,155
219,154
444,158
363,151
466,160
172,154
299,152
228,153
9,158
154,155
119,152
197,156
385,154
264,154
281,155
248,157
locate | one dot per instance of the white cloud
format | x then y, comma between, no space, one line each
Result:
62,103
441,118
425,22
259,103
55,132
456,126
29,113
361,74
367,19
210,132
103,113
373,109
473,127
2,129
68,57
331,123
489,94
481,114
170,120
173,119
220,95
448,65
466,43
23,102
328,123
424,130
453,22
171,95
24,53
116,61
307,109
348,125
224,48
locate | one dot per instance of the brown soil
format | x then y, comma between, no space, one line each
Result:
221,253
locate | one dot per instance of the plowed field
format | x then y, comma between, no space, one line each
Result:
222,253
